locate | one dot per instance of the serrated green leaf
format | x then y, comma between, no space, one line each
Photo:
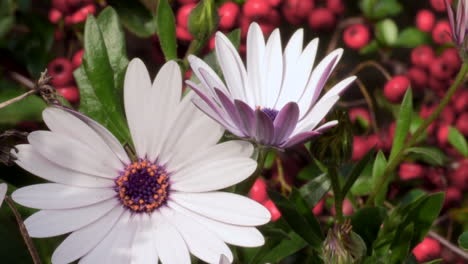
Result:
431,155
403,123
458,141
412,37
463,240
165,28
135,17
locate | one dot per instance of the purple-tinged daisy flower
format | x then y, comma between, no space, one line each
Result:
163,205
275,101
458,22
3,190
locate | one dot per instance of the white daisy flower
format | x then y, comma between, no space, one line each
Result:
275,101
162,206
3,190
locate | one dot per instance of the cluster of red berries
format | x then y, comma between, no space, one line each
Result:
71,11
61,71
426,21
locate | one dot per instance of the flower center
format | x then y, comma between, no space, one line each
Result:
142,186
271,113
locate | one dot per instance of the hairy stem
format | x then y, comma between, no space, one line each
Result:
17,99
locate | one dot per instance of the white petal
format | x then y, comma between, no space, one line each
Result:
338,88
232,66
64,123
255,55
137,87
144,246
211,176
59,196
243,236
47,223
72,154
115,247
224,260
293,49
3,190
35,163
170,245
318,112
274,70
82,241
225,207
208,84
201,242
164,97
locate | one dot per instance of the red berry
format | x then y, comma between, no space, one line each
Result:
442,134
183,34
356,36
275,213
229,13
186,2
425,20
360,148
426,250
55,16
426,111
60,69
321,19
462,124
274,3
58,34
436,84
422,56
447,116
441,32
258,191
440,69
77,58
183,14
410,171
61,5
396,88
452,58
361,113
256,8
71,93
212,43
318,208
347,208
439,5
461,101
295,11
418,77
374,141
459,176
336,6
453,196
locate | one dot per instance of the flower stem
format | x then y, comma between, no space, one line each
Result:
245,186
16,99
393,163
24,233
336,186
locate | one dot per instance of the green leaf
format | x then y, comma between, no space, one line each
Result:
431,155
300,224
463,240
314,190
203,20
284,249
372,47
378,170
378,9
412,196
386,31
458,141
403,123
366,223
363,184
309,172
304,209
412,37
165,28
356,172
6,23
136,18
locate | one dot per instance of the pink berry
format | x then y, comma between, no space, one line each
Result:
256,8
436,84
425,20
183,34
54,16
275,213
60,69
396,88
71,93
229,13
442,134
451,57
336,6
453,196
295,11
461,101
418,77
462,124
321,19
274,3
212,43
422,56
347,208
318,208
426,250
183,14
410,171
356,36
61,5
439,5
447,116
77,58
441,32
360,148
258,191
440,69
359,112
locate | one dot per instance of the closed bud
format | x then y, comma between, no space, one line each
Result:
203,20
343,246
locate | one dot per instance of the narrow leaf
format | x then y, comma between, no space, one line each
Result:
378,170
165,28
403,123
356,172
463,240
458,141
429,154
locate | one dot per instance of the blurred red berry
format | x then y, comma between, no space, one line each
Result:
418,78
258,191
442,134
451,57
439,5
441,32
183,34
58,34
356,36
447,116
336,6
321,19
462,124
318,208
229,13
54,16
359,112
74,3
71,93
374,141
426,250
425,20
183,14
453,196
360,148
347,208
396,88
437,84
440,69
274,3
295,11
275,213
61,5
256,8
212,43
410,171
77,58
60,69
461,101
426,111
422,56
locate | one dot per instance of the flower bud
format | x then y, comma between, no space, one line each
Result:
203,20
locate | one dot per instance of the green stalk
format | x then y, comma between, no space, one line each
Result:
245,186
336,186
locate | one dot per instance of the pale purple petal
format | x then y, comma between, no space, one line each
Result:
299,138
264,128
285,122
247,117
230,109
